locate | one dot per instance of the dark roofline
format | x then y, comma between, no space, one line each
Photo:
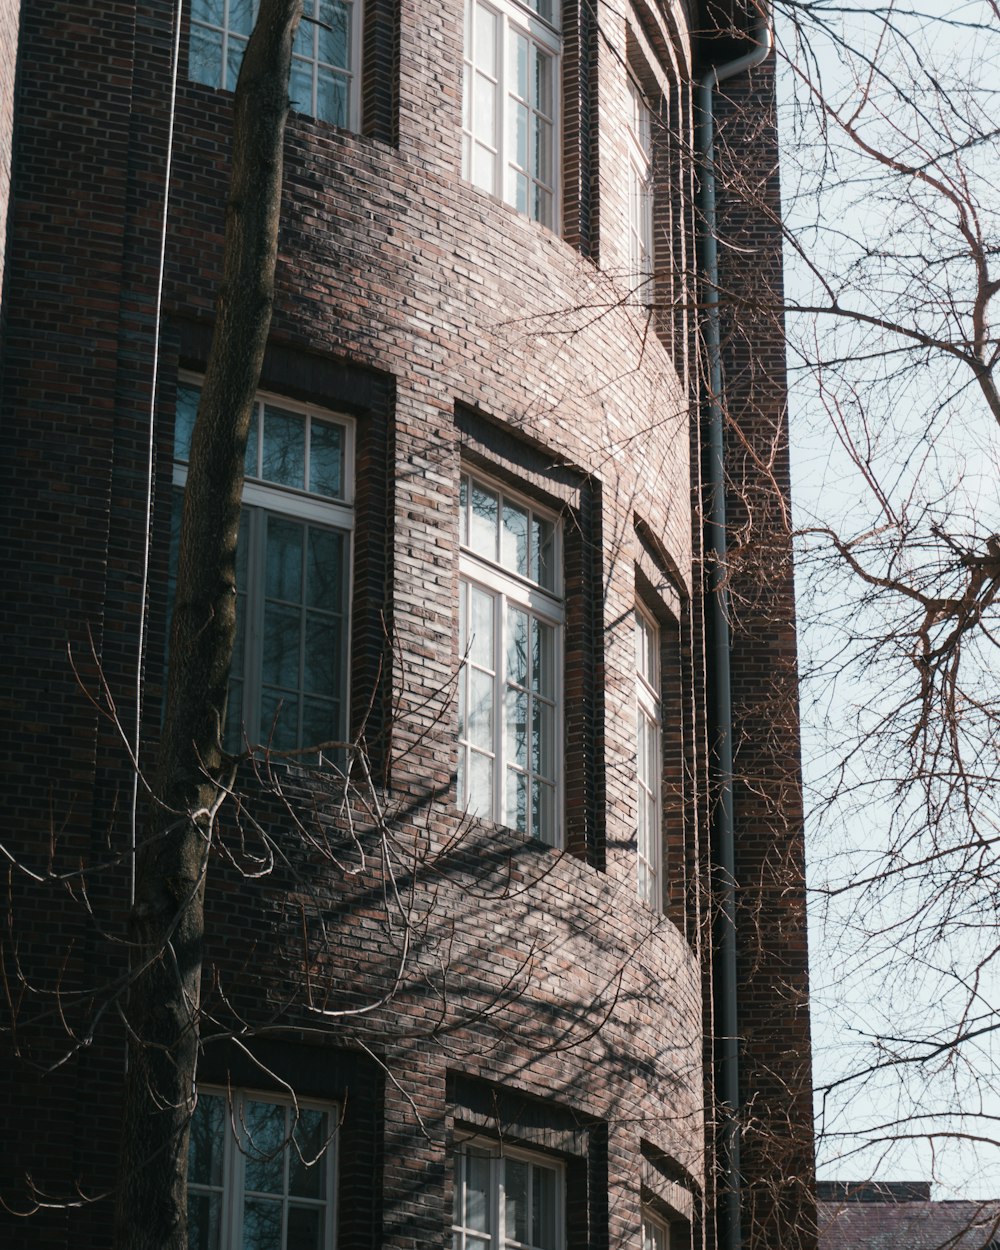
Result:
873,1191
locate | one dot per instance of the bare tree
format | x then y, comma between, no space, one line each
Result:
194,774
891,178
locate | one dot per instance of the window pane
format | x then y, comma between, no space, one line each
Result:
207,11
543,812
184,415
543,659
241,15
251,461
484,169
521,193
541,81
282,635
234,59
542,142
463,511
480,644
543,1205
208,1124
519,56
322,656
516,662
279,720
480,802
320,723
332,96
486,40
543,8
284,559
484,125
485,505
264,1138
325,569
305,1228
516,717
204,1221
514,538
305,36
481,710
542,552
284,447
205,56
477,1192
261,1224
326,459
515,1176
516,815
310,1156
543,735
335,33
300,85
521,136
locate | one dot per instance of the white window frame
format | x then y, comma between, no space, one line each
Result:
262,499
649,758
655,1231
509,589
237,1147
496,1238
639,150
308,33
490,89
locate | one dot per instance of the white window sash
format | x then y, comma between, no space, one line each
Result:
638,141
233,1191
231,39
260,500
511,19
649,766
497,1235
505,592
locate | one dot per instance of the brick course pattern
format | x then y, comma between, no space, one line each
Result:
534,998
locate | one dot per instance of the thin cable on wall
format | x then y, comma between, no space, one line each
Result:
150,451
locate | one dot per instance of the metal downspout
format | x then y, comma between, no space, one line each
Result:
720,723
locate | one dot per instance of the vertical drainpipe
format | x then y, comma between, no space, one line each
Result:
720,719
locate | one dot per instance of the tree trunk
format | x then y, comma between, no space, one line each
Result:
168,914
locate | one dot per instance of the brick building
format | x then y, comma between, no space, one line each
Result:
472,546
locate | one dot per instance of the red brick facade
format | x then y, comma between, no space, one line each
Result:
538,1001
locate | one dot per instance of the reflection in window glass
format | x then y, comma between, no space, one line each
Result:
288,678
510,1200
261,1174
511,76
510,639
324,56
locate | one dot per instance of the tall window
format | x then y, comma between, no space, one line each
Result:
511,1200
639,141
511,103
510,623
261,1173
649,754
655,1232
325,56
288,685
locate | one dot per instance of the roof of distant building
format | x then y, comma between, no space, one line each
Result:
899,1215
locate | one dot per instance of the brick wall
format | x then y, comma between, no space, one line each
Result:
455,332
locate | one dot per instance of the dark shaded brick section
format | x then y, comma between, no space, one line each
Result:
772,967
